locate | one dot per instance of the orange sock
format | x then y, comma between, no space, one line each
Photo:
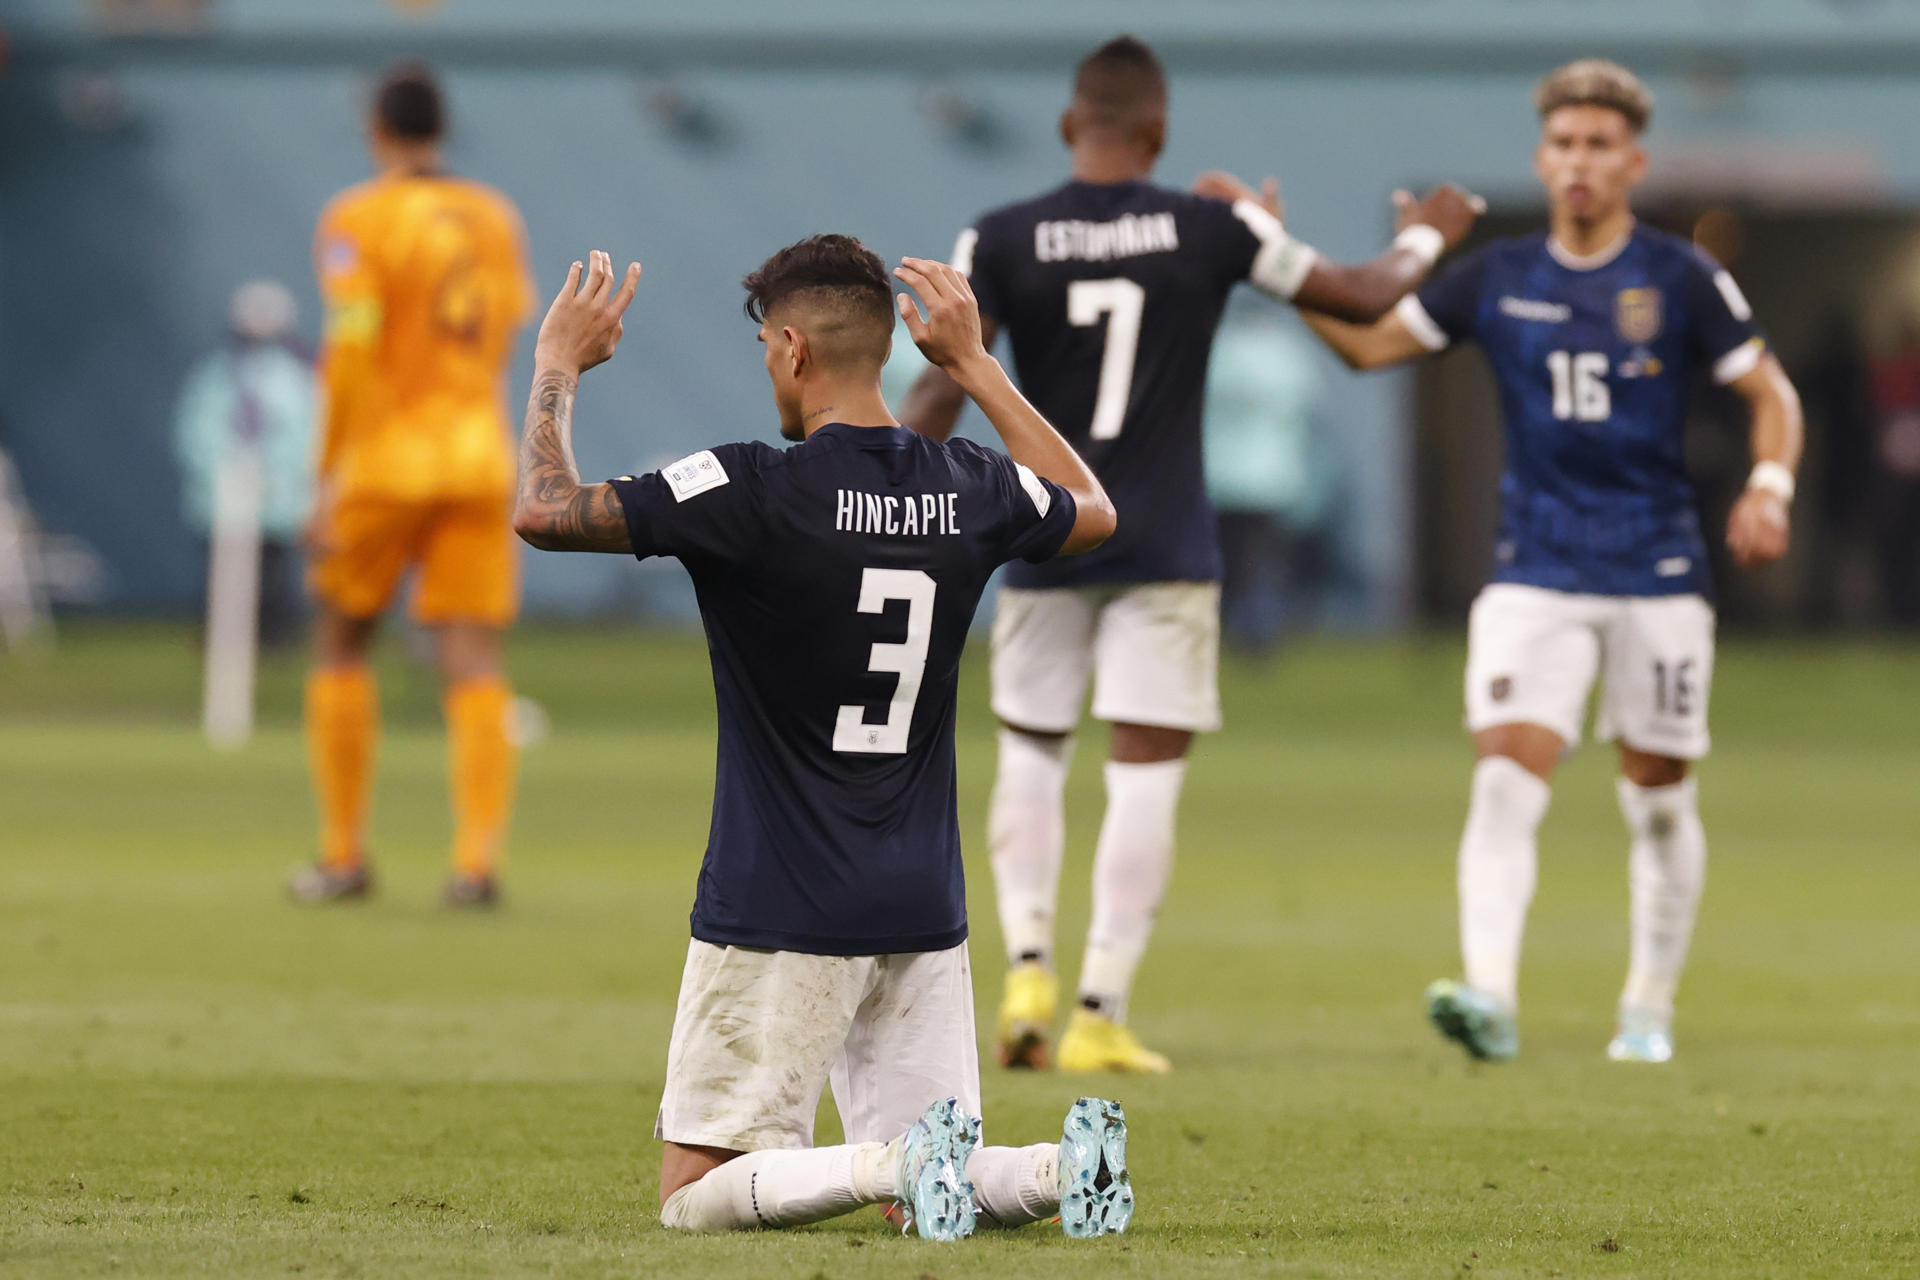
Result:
343,727
482,760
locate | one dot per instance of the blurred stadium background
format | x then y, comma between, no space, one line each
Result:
206,1080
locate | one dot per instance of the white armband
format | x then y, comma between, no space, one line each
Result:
1423,242
1281,264
1772,477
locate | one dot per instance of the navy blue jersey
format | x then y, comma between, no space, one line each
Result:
1595,361
1110,294
837,580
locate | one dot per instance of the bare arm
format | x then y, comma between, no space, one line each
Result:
950,338
552,510
934,401
1758,530
1365,293
1386,341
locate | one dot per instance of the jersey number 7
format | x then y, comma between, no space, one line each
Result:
1122,301
851,732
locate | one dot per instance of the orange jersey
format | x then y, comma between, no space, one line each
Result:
425,283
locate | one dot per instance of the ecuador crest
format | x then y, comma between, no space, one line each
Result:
1637,315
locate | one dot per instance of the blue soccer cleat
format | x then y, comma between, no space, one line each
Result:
1096,1191
935,1197
1642,1036
1479,1022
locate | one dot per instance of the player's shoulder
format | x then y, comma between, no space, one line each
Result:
1675,251
738,463
486,198
351,205
1521,251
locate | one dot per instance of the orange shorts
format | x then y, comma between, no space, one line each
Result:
464,549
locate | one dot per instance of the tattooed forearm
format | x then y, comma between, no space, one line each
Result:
553,510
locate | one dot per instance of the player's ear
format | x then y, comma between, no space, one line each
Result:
1637,163
799,355
1068,126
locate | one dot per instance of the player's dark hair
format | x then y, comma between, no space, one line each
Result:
830,272
1120,82
409,103
1595,82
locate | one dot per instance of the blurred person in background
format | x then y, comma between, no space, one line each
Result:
425,281
1110,288
1596,331
259,388
1267,475
1895,380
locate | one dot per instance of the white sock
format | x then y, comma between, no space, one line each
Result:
785,1188
1498,857
1013,1186
1026,833
1666,868
1131,867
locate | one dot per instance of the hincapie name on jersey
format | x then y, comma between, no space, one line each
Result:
1126,237
906,515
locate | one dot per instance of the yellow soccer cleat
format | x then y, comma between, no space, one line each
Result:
1094,1043
1027,1008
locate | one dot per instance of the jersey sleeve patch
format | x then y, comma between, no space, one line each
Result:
1421,325
694,474
963,251
1282,263
1042,500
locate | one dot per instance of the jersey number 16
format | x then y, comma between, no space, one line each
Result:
1580,386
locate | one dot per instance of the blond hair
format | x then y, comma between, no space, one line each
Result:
1595,82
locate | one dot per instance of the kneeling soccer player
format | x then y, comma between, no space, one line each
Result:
836,582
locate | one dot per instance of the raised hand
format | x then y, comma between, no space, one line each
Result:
1218,184
583,326
1447,209
1757,529
950,335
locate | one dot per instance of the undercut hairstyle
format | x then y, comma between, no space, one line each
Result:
842,286
1595,82
1120,85
410,104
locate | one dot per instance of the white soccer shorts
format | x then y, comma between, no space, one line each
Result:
1533,655
1152,651
759,1034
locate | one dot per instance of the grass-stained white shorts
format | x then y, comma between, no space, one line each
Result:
759,1034
1533,656
1152,651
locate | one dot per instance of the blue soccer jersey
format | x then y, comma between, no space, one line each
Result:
837,580
1595,361
1110,294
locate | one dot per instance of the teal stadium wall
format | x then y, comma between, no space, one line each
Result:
118,246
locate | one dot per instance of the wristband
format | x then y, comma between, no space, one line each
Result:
1774,478
1423,242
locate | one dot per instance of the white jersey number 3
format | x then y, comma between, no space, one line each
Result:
1122,301
851,732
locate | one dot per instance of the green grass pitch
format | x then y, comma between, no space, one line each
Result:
197,1078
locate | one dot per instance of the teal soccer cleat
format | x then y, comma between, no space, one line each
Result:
1475,1019
1642,1036
1096,1191
935,1196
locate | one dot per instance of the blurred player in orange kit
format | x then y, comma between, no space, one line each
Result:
425,282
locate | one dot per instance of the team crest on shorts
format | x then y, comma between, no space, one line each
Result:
1637,315
1501,688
